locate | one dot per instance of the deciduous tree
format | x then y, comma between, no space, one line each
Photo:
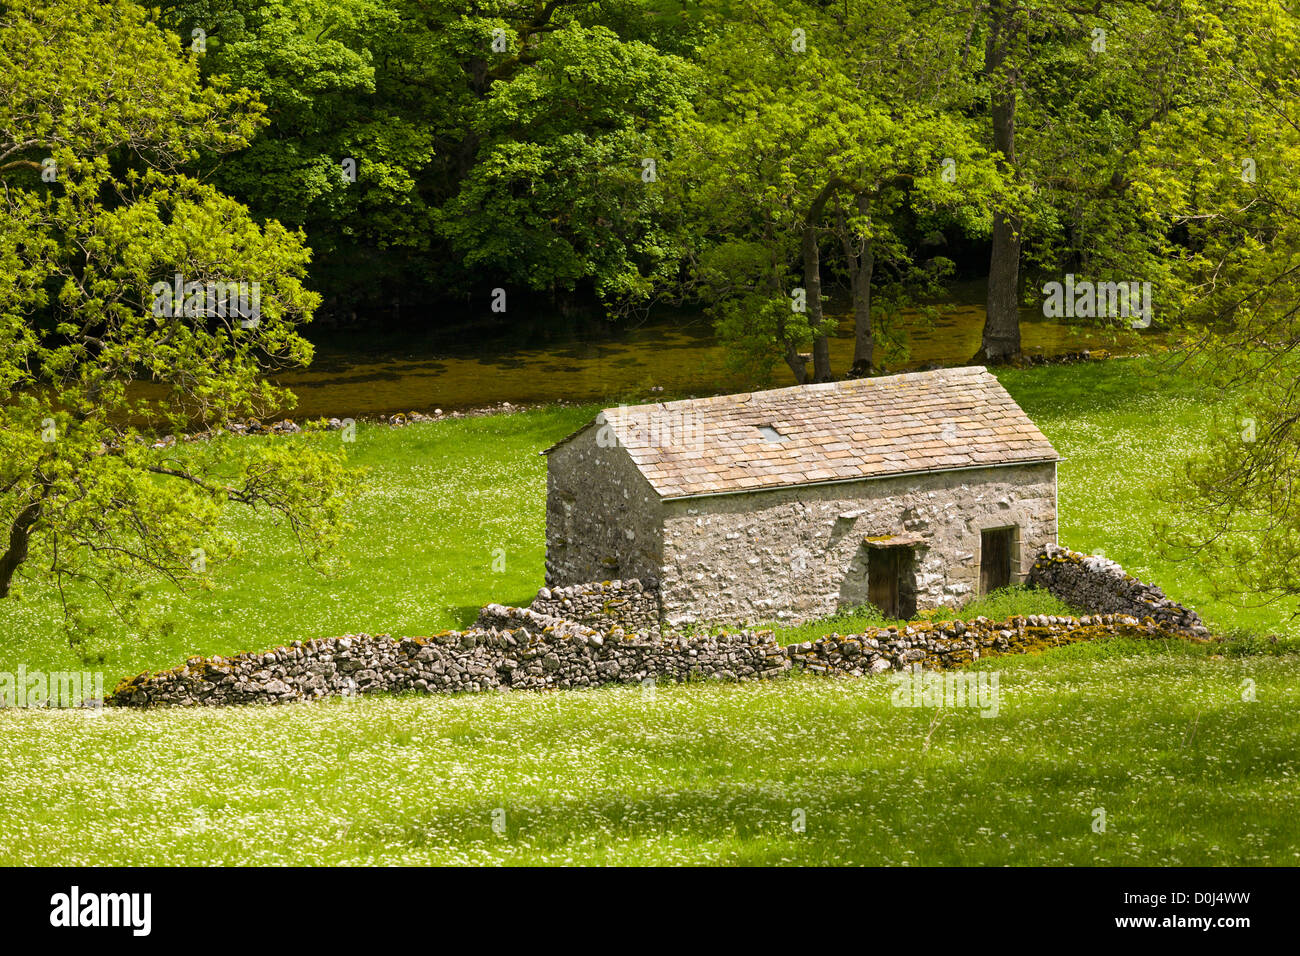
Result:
101,113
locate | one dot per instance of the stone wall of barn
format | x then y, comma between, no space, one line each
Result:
603,520
798,554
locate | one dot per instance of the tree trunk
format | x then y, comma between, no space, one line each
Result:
1001,339
20,535
812,278
860,259
797,364
864,340
792,357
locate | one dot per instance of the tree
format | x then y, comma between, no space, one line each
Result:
492,144
353,130
134,293
1005,36
811,141
1072,91
1223,173
564,188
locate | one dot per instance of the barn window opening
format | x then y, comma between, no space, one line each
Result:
770,434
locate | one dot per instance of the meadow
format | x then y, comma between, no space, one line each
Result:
1187,750
1156,745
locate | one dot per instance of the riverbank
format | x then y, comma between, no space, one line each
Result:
296,425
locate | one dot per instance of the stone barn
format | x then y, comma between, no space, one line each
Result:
907,491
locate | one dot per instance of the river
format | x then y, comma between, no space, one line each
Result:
542,357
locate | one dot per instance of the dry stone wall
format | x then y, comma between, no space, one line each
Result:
947,644
521,649
630,605
507,648
1096,584
589,635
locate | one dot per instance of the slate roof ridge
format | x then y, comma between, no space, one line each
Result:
848,384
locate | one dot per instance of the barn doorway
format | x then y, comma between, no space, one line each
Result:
997,549
891,584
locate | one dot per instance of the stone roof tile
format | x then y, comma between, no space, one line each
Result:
860,428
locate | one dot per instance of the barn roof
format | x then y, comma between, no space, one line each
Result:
839,431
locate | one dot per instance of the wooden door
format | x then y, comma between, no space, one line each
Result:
882,579
995,558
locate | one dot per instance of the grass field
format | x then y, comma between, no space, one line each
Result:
1158,735
1155,735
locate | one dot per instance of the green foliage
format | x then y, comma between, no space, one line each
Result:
565,186
1091,85
801,127
342,81
502,144
496,145
421,537
88,499
1221,175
